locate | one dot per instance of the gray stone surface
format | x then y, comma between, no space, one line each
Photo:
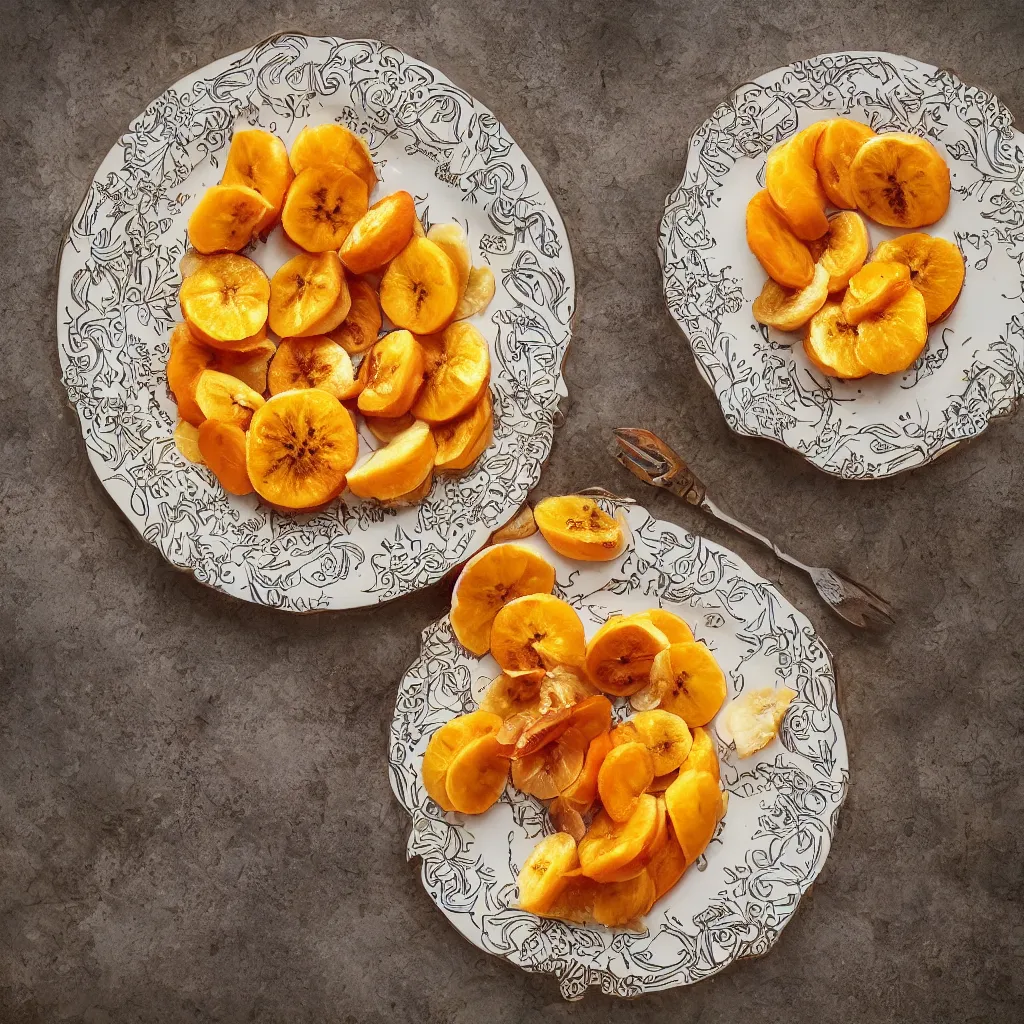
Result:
195,817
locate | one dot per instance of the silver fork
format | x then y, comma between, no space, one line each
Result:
646,456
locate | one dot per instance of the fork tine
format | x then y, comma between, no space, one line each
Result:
643,458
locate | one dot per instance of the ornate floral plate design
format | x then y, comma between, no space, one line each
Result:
783,802
117,300
973,367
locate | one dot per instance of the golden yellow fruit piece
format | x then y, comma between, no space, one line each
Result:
416,495
226,218
900,180
583,792
839,143
308,296
564,687
477,776
223,397
396,468
667,866
321,207
621,653
380,234
891,340
222,446
519,527
843,249
388,428
456,372
609,845
460,442
420,288
577,527
693,801
666,737
186,440
259,161
452,240
506,696
299,447
360,328
693,684
545,729
874,287
674,628
250,366
393,373
535,633
936,269
543,874
553,769
703,755
784,257
653,846
624,777
575,903
592,715
792,181
787,310
487,583
754,718
831,343
661,782
452,737
327,145
224,300
617,904
477,294
312,363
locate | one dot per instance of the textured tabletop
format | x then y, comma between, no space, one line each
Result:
196,822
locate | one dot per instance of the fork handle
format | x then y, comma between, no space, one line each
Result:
748,531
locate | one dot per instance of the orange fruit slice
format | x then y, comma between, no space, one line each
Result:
460,442
393,375
312,363
666,737
609,844
387,429
259,161
224,300
446,742
186,441
380,234
592,715
618,904
519,527
639,863
489,581
420,288
872,288
321,207
620,654
477,776
360,328
788,310
784,257
831,343
843,249
308,296
327,145
626,773
506,697
299,447
703,755
667,866
936,269
226,218
222,446
692,683
577,527
891,340
452,240
456,371
223,397
693,802
398,467
477,294
900,180
674,628
792,181
542,877
583,792
553,769
187,361
250,366
535,633
543,730
839,143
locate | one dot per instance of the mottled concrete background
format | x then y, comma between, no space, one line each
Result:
195,817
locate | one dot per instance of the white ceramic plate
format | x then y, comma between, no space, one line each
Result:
118,298
973,367
783,802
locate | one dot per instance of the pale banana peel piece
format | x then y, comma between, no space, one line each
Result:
186,440
753,719
478,294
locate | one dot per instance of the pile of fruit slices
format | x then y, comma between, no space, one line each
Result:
279,417
860,317
634,803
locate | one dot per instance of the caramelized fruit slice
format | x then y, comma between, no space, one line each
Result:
592,715
487,583
674,628
936,269
186,440
519,527
477,295
891,340
543,730
250,366
564,687
322,205
792,182
416,495
187,361
537,632
694,685
787,310
577,527
477,776
639,863
871,289
452,737
420,288
312,363
624,777
380,234
397,467
618,904
754,718
394,373
666,737
609,845
583,792
667,865
226,218
223,397
299,448
460,442
456,370
843,249
359,330
831,343
222,446
387,429
308,296
900,180
224,300
325,145
840,142
452,240
621,653
703,755
506,697
259,161
553,769
783,256
543,874
693,801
